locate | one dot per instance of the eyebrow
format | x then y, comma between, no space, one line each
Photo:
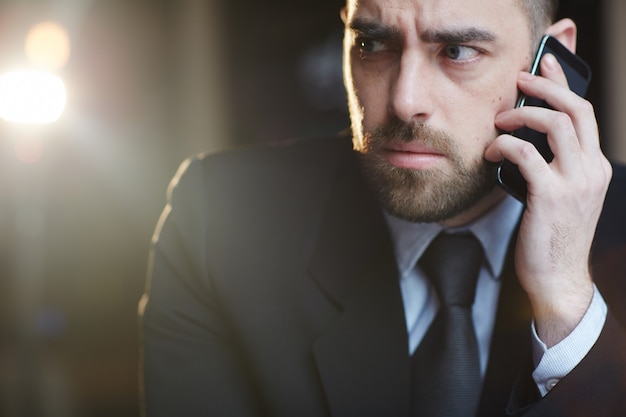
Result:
374,30
458,36
448,36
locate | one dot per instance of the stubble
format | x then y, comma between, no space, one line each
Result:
432,195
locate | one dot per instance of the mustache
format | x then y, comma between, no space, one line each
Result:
396,130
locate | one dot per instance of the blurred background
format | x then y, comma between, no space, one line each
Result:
137,86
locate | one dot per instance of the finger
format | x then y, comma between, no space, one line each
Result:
552,70
561,135
531,164
562,99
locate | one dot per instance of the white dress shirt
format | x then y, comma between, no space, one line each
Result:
494,231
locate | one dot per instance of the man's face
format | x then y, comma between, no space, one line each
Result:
425,80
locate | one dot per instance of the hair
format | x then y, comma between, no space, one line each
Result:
541,13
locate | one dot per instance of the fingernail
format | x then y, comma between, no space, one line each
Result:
499,117
526,76
549,61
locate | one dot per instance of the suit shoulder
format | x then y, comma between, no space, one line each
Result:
611,231
275,165
286,155
616,196
262,182
619,175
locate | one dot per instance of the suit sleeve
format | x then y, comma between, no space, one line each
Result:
189,362
594,388
597,385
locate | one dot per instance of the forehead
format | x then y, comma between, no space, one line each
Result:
495,15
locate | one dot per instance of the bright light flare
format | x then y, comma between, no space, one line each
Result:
48,45
31,97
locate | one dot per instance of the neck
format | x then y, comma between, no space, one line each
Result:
478,210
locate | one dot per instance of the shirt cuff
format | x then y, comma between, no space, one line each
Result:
555,363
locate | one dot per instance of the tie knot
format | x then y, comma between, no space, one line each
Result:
451,263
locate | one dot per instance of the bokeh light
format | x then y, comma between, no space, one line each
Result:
31,97
48,46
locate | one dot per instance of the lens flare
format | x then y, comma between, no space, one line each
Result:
48,46
31,97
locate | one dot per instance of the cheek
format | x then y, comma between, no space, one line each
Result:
497,102
472,117
368,91
505,100
475,121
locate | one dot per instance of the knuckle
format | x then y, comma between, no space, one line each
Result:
527,150
585,106
562,121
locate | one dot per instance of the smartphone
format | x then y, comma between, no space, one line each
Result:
578,76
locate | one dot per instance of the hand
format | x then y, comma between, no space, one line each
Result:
565,198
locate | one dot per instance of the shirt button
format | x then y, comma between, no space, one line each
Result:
551,383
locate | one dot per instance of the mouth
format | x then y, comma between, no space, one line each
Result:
412,155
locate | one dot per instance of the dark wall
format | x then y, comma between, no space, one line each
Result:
284,64
588,16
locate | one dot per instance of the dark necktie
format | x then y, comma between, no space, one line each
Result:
445,375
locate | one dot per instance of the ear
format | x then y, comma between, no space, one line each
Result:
344,14
565,31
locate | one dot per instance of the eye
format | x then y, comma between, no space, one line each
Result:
460,52
368,45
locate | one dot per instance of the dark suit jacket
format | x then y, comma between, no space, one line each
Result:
273,291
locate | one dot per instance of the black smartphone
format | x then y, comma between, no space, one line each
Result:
578,76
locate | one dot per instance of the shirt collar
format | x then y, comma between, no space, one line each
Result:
494,231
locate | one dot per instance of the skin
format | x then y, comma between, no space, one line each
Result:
456,66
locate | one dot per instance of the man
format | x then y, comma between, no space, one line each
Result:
289,281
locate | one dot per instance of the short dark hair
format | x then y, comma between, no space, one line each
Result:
541,13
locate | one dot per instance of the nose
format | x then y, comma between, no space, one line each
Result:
410,97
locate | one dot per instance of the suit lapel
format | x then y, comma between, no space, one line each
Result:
362,357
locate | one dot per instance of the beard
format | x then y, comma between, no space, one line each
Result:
431,195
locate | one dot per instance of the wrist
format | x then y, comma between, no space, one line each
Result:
558,315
